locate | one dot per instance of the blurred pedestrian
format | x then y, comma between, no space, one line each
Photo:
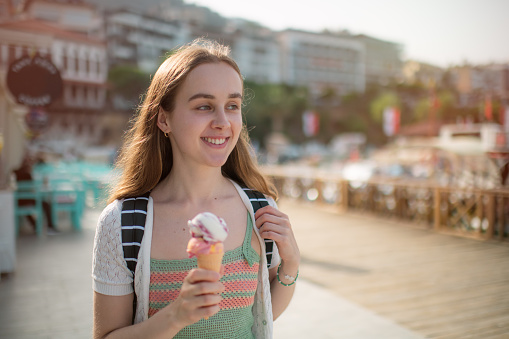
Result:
189,148
24,173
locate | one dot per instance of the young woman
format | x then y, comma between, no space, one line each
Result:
189,148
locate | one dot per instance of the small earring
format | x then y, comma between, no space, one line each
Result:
166,134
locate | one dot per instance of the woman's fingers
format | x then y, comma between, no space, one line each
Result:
271,215
269,210
275,225
200,274
272,223
200,282
201,302
199,296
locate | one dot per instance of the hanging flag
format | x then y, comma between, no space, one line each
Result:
505,122
310,123
391,121
396,120
435,101
488,108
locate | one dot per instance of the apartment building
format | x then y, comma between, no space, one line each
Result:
76,15
254,47
343,62
473,83
322,61
256,51
82,63
141,40
77,52
382,60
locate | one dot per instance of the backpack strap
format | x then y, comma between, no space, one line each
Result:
258,200
134,214
132,220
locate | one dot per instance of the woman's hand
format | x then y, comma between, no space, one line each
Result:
199,297
274,224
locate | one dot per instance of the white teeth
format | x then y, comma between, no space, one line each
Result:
216,141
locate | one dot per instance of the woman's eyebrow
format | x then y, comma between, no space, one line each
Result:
235,95
210,96
201,95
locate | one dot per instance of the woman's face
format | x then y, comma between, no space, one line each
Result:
206,122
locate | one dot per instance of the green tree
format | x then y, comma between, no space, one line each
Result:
128,82
422,109
381,102
274,108
445,107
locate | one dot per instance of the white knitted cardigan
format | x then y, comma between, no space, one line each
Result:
112,277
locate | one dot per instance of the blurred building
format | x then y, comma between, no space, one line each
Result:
6,9
473,83
67,33
338,61
137,6
382,60
256,50
141,40
322,61
76,15
254,47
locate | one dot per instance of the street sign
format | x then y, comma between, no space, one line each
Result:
34,81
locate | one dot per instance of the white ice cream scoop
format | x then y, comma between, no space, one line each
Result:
208,226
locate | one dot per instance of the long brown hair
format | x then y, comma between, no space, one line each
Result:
146,157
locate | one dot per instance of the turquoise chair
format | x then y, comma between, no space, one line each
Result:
99,191
29,190
97,177
67,196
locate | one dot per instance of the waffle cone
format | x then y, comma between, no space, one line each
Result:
211,261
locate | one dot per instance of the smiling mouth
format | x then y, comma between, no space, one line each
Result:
215,141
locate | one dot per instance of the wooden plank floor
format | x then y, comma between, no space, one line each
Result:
440,286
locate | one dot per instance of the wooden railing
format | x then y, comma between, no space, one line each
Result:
476,213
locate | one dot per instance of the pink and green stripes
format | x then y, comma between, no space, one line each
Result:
239,278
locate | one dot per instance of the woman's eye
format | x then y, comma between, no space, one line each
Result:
232,107
204,108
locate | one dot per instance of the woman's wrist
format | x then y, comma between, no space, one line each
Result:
172,322
287,273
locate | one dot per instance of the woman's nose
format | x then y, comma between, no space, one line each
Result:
220,119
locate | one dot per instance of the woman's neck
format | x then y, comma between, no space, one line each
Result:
192,186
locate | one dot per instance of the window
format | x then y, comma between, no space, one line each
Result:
73,92
12,54
65,63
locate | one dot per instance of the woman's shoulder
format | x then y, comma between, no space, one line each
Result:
111,214
244,190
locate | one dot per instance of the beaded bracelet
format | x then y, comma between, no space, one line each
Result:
288,277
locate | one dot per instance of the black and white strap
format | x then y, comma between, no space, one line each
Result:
134,215
258,200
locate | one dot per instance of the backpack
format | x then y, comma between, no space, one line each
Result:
134,215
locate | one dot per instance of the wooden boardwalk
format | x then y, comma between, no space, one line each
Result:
437,285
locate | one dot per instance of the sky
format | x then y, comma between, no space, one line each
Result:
439,32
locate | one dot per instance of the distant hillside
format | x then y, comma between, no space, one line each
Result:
135,5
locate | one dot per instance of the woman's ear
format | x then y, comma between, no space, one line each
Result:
163,121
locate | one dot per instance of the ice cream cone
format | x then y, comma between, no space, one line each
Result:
211,261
